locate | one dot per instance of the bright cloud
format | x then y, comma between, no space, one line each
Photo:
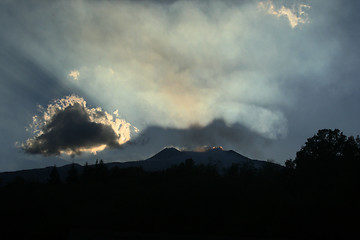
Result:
295,15
74,74
68,126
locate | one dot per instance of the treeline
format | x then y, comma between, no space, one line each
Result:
316,195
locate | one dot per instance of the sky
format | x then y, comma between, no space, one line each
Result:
121,80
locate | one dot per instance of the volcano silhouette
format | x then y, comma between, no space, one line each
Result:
164,159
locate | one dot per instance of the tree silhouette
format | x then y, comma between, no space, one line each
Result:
320,150
73,176
232,171
327,175
329,164
325,152
189,163
54,178
290,164
101,171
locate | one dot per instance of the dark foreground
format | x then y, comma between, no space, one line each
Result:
188,200
313,197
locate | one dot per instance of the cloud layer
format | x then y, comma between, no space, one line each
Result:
175,64
279,69
68,126
184,63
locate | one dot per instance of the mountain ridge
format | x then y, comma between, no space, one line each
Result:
162,160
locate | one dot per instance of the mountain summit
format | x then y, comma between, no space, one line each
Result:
214,156
166,154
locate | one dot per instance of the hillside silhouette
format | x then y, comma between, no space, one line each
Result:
165,159
315,196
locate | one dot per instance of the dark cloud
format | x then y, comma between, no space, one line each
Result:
70,130
217,133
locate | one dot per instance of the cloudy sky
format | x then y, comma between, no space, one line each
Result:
121,80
